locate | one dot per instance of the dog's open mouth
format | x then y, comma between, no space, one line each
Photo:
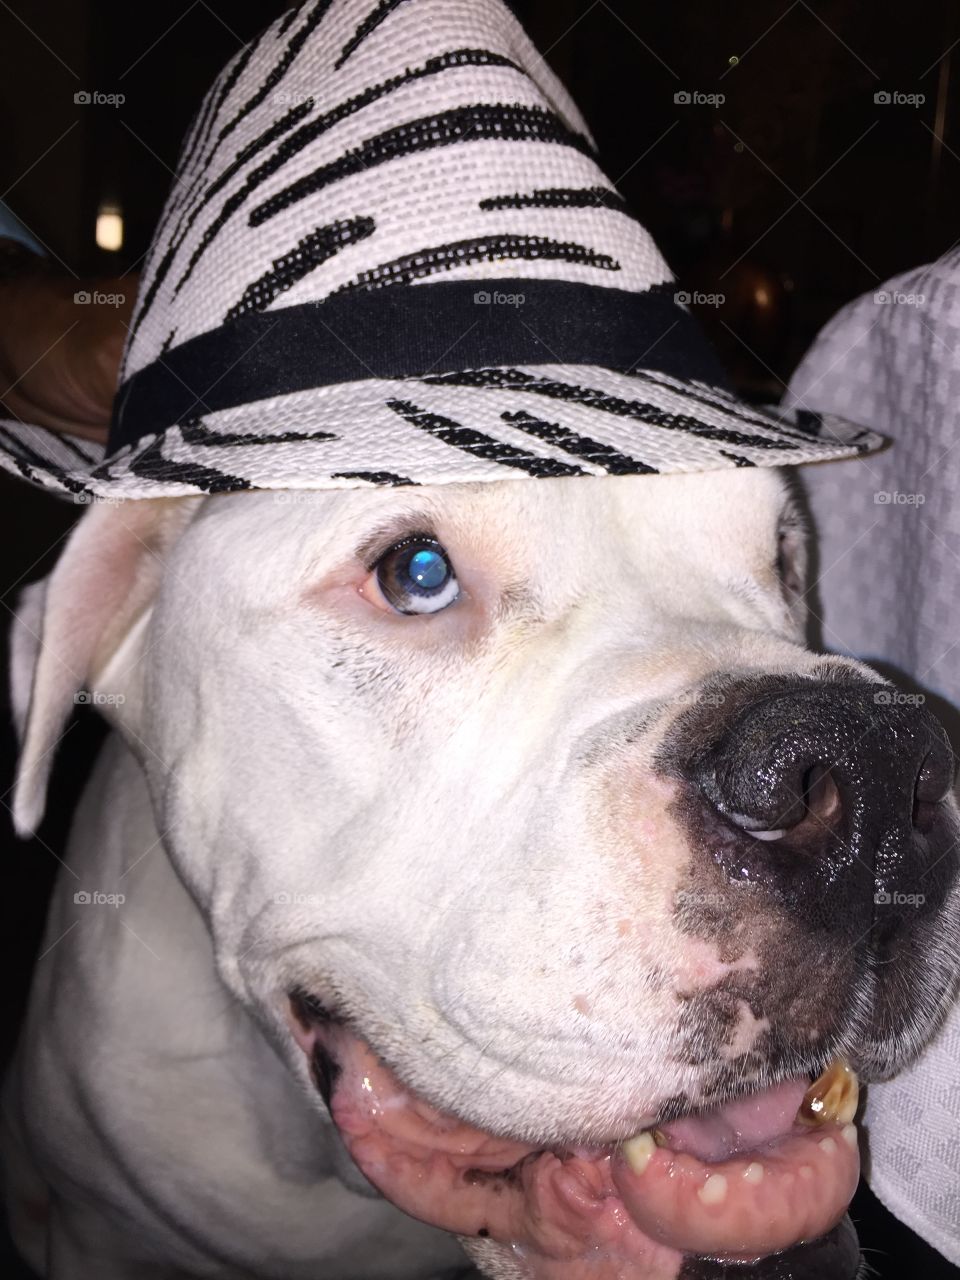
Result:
741,1181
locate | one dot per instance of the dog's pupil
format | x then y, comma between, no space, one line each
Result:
428,569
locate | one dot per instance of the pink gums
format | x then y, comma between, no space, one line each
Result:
569,1216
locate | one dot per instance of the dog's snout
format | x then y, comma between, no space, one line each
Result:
842,779
798,764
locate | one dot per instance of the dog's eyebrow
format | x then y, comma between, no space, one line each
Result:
402,525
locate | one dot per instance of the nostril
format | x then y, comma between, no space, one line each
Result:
935,777
933,784
815,805
821,794
924,811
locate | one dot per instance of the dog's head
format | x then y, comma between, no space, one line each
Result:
532,834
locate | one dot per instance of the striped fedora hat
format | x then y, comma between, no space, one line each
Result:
390,256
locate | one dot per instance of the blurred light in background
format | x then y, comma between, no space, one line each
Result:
110,227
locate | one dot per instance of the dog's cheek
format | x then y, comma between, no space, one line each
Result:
743,977
691,976
784,987
648,854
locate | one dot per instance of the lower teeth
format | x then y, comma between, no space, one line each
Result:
831,1099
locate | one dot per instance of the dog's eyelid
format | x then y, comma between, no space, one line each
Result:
402,529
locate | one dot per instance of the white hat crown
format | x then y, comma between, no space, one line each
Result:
390,256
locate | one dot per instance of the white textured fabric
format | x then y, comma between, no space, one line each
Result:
327,125
392,431
358,148
889,587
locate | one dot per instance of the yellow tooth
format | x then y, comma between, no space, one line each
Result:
638,1151
714,1190
753,1172
833,1097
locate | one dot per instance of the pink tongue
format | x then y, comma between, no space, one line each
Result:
738,1126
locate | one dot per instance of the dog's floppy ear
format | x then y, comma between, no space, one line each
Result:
78,631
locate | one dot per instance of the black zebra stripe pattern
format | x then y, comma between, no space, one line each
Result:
303,138
558,198
390,257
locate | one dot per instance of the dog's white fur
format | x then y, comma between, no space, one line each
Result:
442,821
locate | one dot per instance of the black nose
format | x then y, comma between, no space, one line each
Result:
841,781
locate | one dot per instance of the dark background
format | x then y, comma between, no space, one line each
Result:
793,195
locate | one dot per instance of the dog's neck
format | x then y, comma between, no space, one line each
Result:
129,1009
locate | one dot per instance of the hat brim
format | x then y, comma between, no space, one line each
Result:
488,424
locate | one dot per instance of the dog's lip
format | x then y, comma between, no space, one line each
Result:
562,1204
306,1012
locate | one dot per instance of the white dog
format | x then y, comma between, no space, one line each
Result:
513,820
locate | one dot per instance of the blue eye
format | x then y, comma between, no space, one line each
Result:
416,576
428,569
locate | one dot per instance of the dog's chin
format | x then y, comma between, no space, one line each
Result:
757,1185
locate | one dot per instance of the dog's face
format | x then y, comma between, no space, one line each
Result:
525,825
